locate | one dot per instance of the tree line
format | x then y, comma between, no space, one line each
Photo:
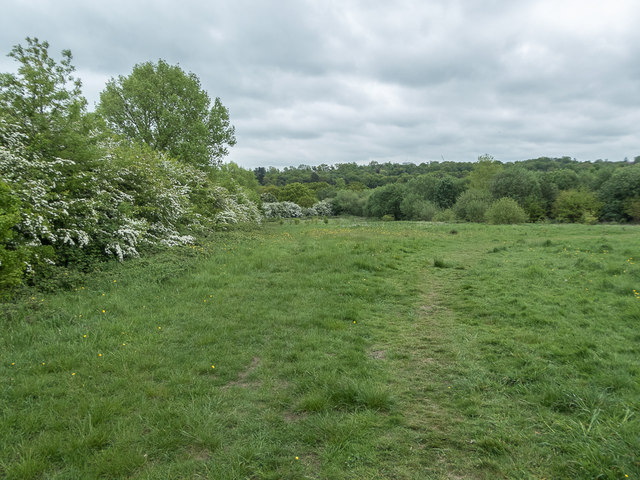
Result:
541,189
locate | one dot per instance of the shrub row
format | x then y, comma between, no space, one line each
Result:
56,211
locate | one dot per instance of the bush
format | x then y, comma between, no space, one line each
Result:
34,184
506,211
298,193
415,208
385,201
235,208
133,198
320,209
348,202
576,206
441,189
12,261
445,215
282,210
534,208
472,205
515,182
632,208
268,197
617,192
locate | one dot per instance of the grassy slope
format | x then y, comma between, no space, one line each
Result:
383,350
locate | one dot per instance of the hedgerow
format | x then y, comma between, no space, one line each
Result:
131,198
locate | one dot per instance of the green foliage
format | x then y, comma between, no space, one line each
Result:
9,212
234,175
535,208
272,191
322,190
548,193
484,170
259,173
349,202
447,215
448,189
506,211
576,206
297,193
442,190
165,108
44,100
515,182
236,179
386,201
414,207
632,208
535,183
472,205
11,255
268,197
564,179
618,190
523,186
357,186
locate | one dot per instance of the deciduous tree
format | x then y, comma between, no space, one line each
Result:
166,108
44,100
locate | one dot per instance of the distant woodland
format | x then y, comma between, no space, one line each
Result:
541,189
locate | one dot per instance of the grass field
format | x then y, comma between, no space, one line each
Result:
343,350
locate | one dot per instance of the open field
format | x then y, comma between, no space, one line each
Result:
346,350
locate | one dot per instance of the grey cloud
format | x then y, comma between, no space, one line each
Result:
338,81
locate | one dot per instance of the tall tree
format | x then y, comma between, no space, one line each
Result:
166,108
44,100
483,172
619,192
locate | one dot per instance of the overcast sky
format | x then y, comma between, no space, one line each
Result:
311,82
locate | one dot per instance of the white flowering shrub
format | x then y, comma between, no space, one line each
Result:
11,259
131,198
235,208
293,210
34,184
323,208
282,210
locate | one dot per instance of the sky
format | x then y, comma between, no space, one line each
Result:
327,82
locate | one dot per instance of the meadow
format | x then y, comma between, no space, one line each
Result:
347,349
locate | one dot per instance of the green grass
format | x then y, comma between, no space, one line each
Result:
341,350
